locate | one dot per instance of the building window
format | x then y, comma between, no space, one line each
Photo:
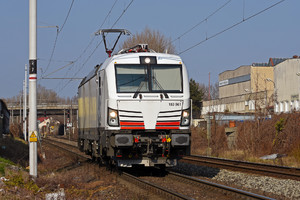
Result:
286,106
276,108
297,104
281,107
251,105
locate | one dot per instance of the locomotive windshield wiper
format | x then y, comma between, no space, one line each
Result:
140,87
160,87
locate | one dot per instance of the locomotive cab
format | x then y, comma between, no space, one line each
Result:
139,109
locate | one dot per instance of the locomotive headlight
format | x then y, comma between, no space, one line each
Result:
113,119
113,114
147,60
185,114
185,118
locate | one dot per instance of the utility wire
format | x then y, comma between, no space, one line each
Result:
228,28
90,43
80,68
56,37
67,16
124,11
53,49
122,14
204,20
71,63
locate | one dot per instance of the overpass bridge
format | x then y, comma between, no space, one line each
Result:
45,109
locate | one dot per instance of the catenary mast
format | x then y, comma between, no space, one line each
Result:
32,88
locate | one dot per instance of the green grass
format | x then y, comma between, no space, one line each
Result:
3,163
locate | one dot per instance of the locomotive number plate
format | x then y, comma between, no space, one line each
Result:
175,104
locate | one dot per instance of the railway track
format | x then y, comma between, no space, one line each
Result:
69,147
222,189
249,167
255,168
167,193
158,190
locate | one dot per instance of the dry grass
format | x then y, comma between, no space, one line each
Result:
281,135
79,178
15,150
198,141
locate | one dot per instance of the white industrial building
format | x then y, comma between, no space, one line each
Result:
287,85
268,87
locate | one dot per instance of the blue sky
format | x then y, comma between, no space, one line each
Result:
273,33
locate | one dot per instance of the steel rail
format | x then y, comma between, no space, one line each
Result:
127,177
159,190
54,143
256,168
63,141
215,186
166,192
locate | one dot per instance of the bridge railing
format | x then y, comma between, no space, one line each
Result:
45,106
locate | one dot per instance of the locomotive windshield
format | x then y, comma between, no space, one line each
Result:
149,78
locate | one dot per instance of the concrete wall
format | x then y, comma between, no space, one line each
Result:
243,90
287,85
259,76
246,88
234,82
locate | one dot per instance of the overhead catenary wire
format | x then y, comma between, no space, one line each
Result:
230,27
204,20
124,11
90,43
56,37
70,63
67,16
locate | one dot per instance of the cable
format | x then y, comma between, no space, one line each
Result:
53,49
56,37
122,14
90,43
98,45
234,25
209,16
58,69
67,16
80,67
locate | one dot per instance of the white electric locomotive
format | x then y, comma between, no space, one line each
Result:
134,109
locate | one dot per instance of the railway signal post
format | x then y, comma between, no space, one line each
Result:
32,135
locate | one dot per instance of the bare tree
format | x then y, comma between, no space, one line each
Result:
214,91
155,40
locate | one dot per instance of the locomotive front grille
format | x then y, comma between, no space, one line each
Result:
131,120
168,119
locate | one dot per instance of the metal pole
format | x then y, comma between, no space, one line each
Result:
64,122
25,104
71,121
24,107
32,88
12,116
208,151
20,120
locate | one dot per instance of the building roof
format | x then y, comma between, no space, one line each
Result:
272,62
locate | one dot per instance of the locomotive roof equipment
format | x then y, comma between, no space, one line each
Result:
105,31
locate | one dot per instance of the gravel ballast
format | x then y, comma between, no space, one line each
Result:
284,188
